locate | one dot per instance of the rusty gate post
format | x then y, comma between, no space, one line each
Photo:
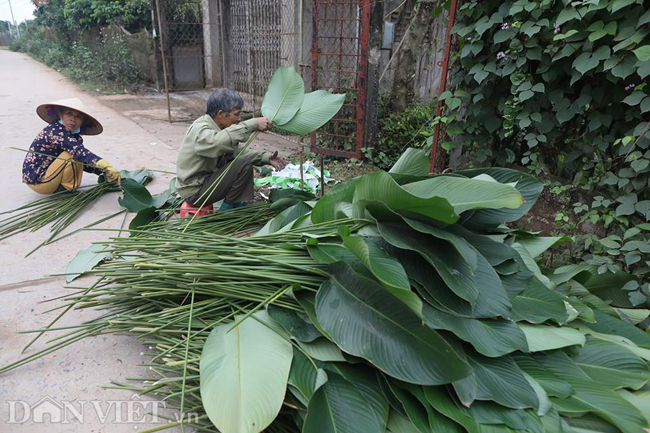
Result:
339,61
161,28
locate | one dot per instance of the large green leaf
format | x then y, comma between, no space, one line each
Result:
542,337
450,265
529,187
368,321
553,385
364,378
492,338
640,400
437,422
577,290
609,325
488,412
283,221
590,424
537,303
284,96
316,110
581,272
608,287
135,196
141,175
297,326
377,191
501,380
590,396
465,194
621,341
537,245
339,407
413,162
244,375
398,423
554,423
462,246
386,269
493,298
530,263
495,252
415,410
85,260
322,349
442,402
612,365
305,376
307,300
544,402
325,209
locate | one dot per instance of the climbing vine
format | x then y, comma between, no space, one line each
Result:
561,87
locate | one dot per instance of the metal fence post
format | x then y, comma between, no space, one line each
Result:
164,60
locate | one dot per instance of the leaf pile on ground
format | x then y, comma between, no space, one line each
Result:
398,302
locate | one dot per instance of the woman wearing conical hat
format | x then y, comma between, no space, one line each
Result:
57,157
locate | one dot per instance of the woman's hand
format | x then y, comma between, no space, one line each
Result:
263,123
111,173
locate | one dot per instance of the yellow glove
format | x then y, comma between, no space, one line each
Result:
112,174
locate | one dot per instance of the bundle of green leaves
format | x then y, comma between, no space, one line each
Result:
398,302
62,209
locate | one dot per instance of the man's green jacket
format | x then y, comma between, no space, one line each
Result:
204,148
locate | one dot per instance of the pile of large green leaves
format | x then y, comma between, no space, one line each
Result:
435,317
398,302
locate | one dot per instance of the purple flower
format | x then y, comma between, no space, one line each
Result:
505,26
631,86
556,28
501,55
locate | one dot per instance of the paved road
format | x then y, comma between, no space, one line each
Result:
75,373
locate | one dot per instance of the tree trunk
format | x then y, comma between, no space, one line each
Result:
419,24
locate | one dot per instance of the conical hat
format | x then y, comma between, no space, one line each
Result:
90,126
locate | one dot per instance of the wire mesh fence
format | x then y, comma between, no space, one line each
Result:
340,62
204,44
220,43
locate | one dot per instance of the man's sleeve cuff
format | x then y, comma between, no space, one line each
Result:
251,124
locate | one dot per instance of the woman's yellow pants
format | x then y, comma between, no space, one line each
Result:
64,172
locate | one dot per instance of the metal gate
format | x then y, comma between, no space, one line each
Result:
339,60
255,38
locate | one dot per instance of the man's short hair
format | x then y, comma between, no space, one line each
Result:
225,100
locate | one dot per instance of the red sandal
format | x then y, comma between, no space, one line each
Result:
187,210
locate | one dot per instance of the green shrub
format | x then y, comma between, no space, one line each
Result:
561,87
111,63
398,130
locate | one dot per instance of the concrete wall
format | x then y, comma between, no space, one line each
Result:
141,45
427,71
5,39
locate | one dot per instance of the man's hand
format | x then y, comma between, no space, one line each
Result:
263,123
277,162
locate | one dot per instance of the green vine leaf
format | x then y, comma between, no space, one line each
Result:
634,99
643,53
